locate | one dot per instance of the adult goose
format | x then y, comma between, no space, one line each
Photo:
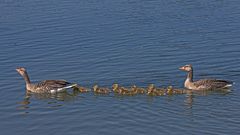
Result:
46,86
205,84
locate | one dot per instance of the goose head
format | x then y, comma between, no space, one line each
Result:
21,71
187,68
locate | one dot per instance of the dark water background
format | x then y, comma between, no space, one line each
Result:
125,41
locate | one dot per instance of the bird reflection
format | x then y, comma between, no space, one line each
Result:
191,94
59,99
25,104
189,99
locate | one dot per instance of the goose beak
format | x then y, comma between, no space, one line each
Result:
182,68
17,69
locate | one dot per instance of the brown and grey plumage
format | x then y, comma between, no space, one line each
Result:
205,84
46,86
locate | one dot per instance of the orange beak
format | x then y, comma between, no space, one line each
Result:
17,69
182,68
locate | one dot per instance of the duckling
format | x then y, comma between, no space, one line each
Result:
99,90
115,88
83,89
153,91
124,92
169,90
161,91
80,89
138,89
133,91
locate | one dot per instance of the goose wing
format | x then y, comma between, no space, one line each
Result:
52,84
212,84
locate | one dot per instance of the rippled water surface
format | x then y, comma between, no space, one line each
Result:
128,42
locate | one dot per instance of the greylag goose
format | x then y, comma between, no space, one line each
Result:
205,84
46,86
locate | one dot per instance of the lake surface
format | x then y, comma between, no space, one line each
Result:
128,42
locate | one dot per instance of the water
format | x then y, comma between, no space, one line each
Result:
129,42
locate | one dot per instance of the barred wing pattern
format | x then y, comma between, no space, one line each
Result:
49,85
212,84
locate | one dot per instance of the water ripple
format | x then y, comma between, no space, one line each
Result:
128,42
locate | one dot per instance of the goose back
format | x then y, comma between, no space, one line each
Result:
212,84
48,86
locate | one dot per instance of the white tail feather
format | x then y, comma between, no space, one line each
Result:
63,88
228,85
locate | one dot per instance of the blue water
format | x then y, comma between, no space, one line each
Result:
128,42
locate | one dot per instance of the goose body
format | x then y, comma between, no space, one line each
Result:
204,84
46,86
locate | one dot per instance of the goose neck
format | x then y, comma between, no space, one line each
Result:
190,76
26,78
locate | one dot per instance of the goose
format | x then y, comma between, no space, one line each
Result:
204,84
46,86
